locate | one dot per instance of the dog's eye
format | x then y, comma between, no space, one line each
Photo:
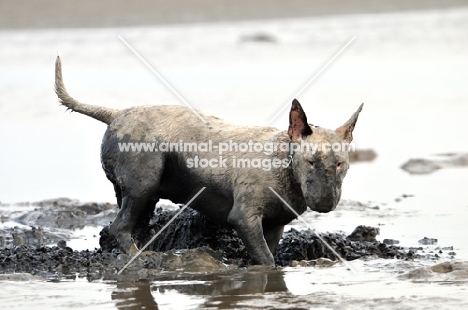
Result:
312,164
339,165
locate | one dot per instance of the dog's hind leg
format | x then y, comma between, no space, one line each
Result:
141,229
138,199
132,220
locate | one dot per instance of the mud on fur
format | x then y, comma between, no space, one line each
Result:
239,197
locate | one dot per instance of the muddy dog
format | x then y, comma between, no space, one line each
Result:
234,195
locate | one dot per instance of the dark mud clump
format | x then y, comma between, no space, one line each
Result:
47,262
192,230
190,243
364,233
188,231
57,262
305,245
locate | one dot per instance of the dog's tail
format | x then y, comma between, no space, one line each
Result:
102,114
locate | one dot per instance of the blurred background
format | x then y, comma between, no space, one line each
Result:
121,13
242,61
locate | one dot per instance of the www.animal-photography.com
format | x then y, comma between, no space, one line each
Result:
217,154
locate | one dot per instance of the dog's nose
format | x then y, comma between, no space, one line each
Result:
323,207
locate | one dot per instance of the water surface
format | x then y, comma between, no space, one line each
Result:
410,70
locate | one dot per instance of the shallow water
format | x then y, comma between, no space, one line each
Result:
410,69
376,286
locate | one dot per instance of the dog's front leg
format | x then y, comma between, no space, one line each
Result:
247,221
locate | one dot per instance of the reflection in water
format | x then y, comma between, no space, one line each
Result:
134,296
220,290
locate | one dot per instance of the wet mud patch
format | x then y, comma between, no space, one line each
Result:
446,271
35,236
362,155
192,230
191,243
440,161
66,213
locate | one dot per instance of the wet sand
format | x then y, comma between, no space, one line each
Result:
120,13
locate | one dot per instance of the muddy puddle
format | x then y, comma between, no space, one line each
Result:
411,251
215,272
190,243
406,252
298,288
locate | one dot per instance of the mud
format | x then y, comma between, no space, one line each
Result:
66,213
191,243
34,236
192,230
426,165
362,155
446,271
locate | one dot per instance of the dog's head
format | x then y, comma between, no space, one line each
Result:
321,167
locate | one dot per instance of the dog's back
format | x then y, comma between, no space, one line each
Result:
154,152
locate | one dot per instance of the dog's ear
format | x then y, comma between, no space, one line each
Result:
298,126
346,131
